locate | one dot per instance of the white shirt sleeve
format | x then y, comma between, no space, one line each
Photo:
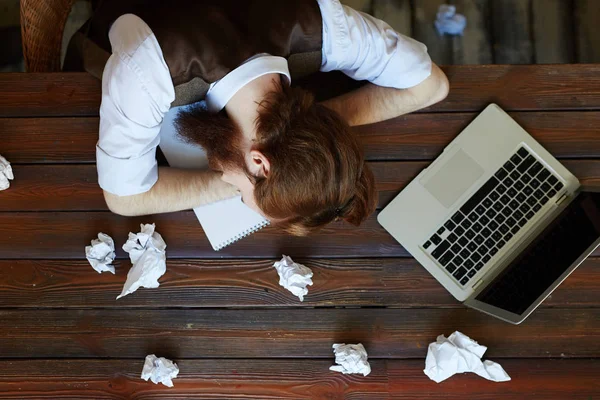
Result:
366,48
137,91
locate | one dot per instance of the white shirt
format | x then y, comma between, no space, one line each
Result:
137,90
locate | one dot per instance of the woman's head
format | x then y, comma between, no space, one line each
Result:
304,167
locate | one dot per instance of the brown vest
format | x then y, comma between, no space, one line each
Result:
203,40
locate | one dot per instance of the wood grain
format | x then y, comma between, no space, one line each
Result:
553,31
514,87
552,379
75,187
571,134
288,333
400,283
48,94
475,45
512,32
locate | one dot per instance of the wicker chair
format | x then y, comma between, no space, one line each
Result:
42,26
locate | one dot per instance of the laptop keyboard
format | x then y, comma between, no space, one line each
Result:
492,216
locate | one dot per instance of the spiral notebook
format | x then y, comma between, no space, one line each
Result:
224,222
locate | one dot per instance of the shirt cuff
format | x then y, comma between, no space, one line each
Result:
126,176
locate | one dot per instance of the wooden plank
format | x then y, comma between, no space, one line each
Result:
75,187
397,13
49,94
552,379
400,283
438,47
587,22
289,333
570,134
475,45
514,87
197,379
553,31
512,36
58,235
522,87
530,379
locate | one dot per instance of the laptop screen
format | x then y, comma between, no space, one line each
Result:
556,248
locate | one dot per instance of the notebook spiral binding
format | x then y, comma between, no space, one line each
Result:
243,234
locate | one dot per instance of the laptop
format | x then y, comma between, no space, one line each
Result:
496,219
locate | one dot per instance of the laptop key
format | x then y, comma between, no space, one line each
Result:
469,264
493,251
529,215
500,244
486,232
451,267
464,281
504,229
478,266
523,152
507,211
535,168
459,230
501,174
455,248
526,179
459,273
446,258
538,194
452,238
473,216
427,245
516,159
536,208
482,250
551,193
544,200
490,243
508,182
498,206
472,246
465,253
517,215
466,224
522,222
463,241
494,196
441,230
524,208
527,162
450,225
558,186
511,192
519,185
515,175
514,204
475,257
496,235
493,226
535,184
509,166
457,217
527,190
545,187
501,189
486,258
441,249
484,220
515,229
458,260
472,273
500,218
470,234
479,239
490,213
552,180
544,173
510,222
532,200
508,236
436,239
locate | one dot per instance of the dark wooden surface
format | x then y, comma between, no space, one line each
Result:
223,317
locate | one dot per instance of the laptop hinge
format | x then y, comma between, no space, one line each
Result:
479,282
561,199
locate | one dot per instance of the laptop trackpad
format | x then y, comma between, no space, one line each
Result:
453,178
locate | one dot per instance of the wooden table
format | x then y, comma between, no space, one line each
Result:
223,317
